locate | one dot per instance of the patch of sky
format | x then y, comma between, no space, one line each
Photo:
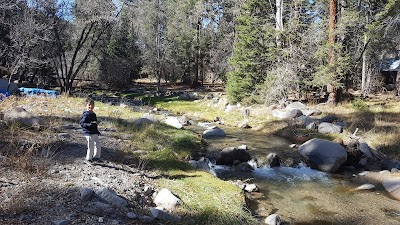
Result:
65,7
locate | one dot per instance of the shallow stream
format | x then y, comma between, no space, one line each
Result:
301,195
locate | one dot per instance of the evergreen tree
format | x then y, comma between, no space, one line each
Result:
254,50
120,61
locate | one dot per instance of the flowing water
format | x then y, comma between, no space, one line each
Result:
301,195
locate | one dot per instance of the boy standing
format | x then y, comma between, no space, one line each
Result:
88,123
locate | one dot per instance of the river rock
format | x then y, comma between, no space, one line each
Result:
86,193
273,219
329,128
214,132
166,200
228,155
273,160
250,188
364,148
323,155
306,120
111,197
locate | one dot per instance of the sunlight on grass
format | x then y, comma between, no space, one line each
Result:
218,203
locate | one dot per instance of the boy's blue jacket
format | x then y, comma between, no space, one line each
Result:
88,123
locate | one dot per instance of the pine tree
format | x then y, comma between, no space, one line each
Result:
254,50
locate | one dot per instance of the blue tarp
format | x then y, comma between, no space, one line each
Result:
38,91
3,94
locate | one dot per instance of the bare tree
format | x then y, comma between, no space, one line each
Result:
28,30
84,26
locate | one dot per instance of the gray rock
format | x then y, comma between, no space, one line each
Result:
392,185
273,160
86,193
146,219
388,163
329,128
111,197
161,215
93,210
323,155
185,96
273,219
250,188
293,113
228,155
312,126
166,200
306,120
173,122
296,105
106,209
364,148
214,132
132,215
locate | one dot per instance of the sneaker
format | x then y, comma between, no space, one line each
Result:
89,162
98,160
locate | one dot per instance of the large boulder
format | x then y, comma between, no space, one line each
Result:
323,155
25,118
287,114
214,132
230,155
296,105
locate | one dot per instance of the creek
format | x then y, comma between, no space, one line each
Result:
301,195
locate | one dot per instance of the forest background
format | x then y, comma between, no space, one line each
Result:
262,51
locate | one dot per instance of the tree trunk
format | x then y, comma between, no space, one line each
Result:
197,55
279,21
364,69
332,15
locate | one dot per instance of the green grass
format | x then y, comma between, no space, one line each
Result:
218,202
